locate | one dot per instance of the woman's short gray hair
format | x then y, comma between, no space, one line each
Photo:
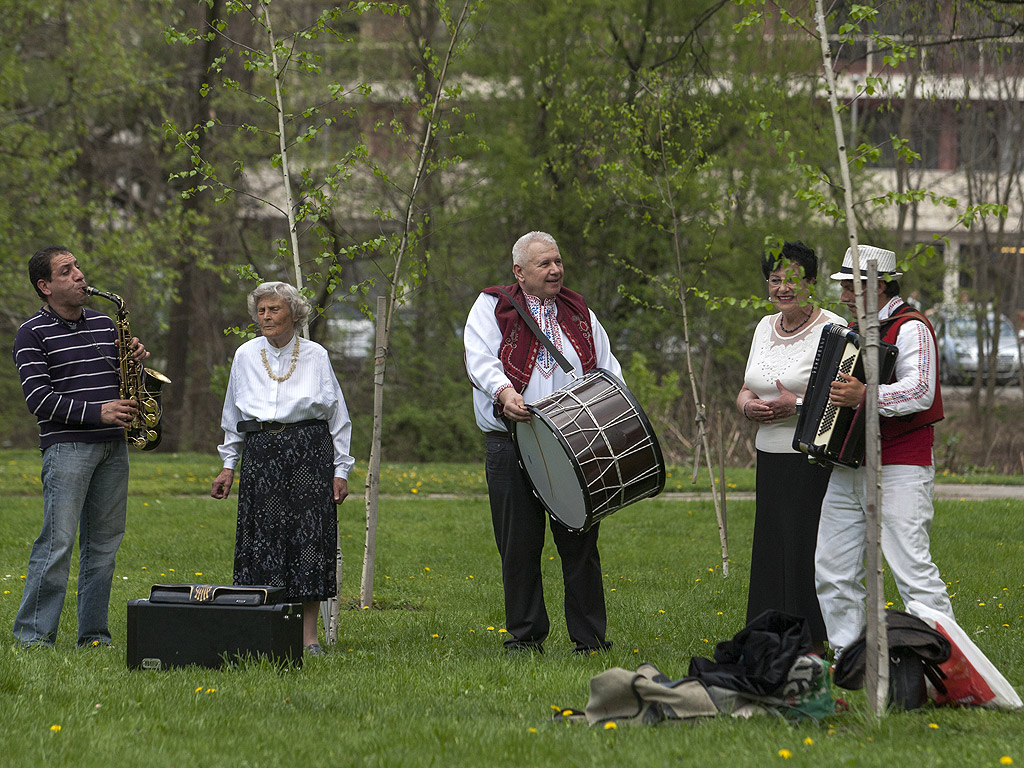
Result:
297,303
519,250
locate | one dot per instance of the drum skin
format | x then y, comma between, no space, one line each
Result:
589,450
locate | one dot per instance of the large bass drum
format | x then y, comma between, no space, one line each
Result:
589,450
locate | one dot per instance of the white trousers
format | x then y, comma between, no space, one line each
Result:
839,570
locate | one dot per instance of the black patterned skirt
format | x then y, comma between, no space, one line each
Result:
287,520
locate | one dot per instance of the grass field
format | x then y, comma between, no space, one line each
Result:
420,679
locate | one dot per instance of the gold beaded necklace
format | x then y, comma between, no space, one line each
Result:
291,369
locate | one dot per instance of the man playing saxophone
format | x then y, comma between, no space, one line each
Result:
67,359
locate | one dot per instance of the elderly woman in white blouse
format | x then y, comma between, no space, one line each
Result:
285,417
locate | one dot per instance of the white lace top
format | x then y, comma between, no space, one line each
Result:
788,359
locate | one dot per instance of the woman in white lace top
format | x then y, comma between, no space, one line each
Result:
789,488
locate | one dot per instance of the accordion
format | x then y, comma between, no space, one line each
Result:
825,432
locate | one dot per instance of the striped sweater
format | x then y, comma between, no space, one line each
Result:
67,371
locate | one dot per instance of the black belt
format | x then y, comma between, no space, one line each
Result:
502,435
255,425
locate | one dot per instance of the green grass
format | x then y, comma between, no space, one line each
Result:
187,474
420,679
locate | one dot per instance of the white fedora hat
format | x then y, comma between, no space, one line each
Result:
886,263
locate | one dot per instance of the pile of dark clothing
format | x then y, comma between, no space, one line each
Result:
768,667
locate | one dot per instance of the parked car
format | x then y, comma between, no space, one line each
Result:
957,335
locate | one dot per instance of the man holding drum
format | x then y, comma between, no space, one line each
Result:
509,367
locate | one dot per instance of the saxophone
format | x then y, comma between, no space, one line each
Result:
138,383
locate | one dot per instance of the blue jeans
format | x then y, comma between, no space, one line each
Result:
85,488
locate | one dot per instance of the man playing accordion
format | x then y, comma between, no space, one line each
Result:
909,405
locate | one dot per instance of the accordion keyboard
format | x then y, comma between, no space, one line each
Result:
828,416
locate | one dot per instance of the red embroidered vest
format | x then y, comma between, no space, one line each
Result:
519,345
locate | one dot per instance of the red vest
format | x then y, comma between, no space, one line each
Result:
520,346
908,439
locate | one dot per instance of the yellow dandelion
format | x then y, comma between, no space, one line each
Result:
414,490
197,690
199,573
556,708
933,726
532,730
808,741
55,728
660,611
211,690
610,726
435,635
490,629
426,569
1006,760
785,754
566,712
502,631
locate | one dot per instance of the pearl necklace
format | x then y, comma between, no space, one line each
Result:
784,329
291,369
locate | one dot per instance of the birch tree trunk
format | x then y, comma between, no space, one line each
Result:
373,471
877,650
386,310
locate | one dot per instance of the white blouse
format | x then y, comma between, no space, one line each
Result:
788,359
311,392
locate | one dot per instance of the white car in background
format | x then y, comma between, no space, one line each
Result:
960,352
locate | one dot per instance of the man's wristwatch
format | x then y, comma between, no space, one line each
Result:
799,405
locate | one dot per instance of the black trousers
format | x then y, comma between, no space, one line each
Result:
519,527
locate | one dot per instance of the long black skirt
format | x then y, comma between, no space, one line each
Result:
287,520
789,494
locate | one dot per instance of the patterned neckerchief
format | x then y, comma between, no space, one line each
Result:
545,314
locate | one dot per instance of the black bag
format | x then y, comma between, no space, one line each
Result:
915,652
